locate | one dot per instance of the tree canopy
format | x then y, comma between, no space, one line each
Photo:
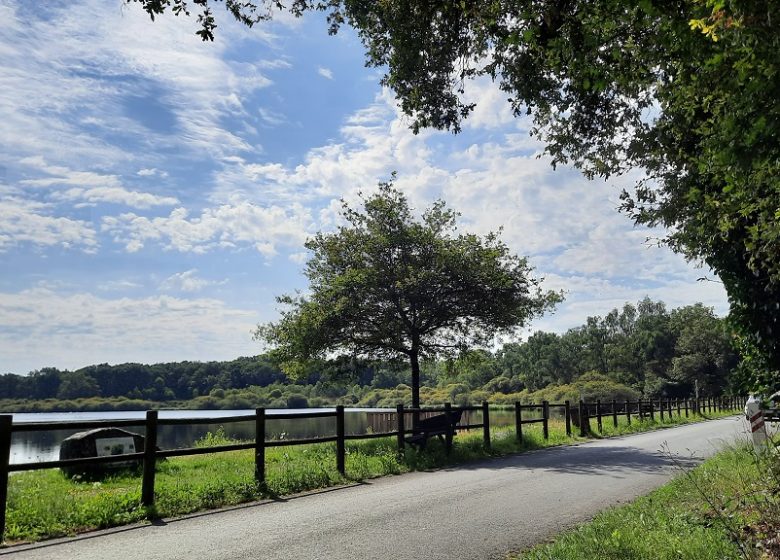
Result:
390,285
685,90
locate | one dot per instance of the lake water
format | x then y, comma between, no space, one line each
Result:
44,446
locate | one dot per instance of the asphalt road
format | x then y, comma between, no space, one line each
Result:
476,511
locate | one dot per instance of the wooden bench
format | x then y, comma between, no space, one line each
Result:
442,426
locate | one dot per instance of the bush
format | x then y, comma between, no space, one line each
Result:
297,401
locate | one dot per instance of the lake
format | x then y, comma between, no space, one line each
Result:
44,446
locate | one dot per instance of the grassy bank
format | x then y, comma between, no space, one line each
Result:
43,504
728,508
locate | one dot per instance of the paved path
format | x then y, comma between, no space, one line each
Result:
476,511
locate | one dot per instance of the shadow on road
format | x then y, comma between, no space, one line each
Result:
613,461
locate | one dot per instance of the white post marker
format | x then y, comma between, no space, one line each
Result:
755,416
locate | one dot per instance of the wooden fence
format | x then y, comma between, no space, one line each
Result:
149,456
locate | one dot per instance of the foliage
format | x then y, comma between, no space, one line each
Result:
158,382
645,347
389,285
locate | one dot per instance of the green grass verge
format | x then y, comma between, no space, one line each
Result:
44,504
724,509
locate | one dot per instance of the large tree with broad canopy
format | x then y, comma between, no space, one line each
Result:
391,285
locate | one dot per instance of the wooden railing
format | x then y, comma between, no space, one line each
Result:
149,456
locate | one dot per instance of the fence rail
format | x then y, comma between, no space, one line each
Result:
580,416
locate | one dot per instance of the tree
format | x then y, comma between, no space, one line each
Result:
389,285
76,385
684,89
703,354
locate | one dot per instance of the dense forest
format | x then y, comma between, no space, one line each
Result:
641,349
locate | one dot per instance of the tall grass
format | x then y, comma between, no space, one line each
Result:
728,508
43,504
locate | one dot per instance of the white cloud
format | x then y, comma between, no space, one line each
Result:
151,172
150,329
187,281
25,221
65,82
570,226
87,186
299,258
117,285
492,110
271,118
373,142
325,72
593,296
265,229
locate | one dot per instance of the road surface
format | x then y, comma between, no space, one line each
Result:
478,511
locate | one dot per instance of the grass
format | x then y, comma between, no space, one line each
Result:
44,504
727,508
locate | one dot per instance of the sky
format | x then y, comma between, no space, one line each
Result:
156,191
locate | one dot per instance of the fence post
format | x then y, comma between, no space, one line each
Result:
485,424
260,446
614,413
518,421
652,411
567,413
546,421
677,404
448,437
341,450
584,420
6,427
150,459
598,414
399,414
661,409
685,405
628,412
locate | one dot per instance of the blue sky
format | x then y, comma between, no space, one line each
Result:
156,191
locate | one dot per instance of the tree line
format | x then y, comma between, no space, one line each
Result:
642,349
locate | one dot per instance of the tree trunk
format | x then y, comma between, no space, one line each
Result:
415,362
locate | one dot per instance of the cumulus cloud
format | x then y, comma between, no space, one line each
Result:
90,187
568,225
325,72
265,229
151,172
25,221
188,281
148,329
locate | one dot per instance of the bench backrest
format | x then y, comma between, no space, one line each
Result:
439,422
